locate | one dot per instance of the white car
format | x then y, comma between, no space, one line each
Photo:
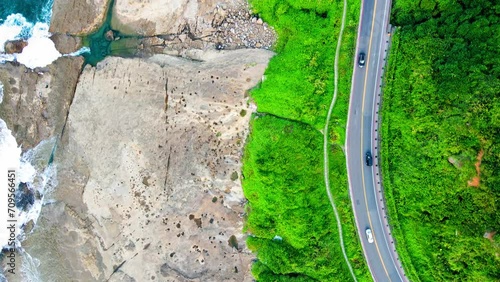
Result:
369,235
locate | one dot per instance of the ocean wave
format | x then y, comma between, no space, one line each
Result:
40,51
10,154
36,175
29,269
1,92
13,28
79,52
46,14
35,178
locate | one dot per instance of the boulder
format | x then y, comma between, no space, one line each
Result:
15,46
109,35
65,43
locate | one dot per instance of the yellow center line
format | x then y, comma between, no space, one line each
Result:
361,143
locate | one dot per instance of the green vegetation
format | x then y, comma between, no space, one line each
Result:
442,106
283,162
285,188
234,175
233,242
299,80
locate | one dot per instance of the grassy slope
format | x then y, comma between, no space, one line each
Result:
283,159
441,101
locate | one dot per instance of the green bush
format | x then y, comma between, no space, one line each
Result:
283,162
300,76
442,100
283,180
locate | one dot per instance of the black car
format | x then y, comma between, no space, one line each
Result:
361,59
368,158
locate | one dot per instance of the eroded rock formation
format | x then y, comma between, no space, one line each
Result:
35,103
148,172
149,150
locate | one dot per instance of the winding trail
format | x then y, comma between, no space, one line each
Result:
326,167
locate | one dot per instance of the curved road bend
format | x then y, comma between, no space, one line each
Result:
362,123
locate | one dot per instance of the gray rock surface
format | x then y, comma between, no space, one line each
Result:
162,16
171,26
35,103
66,44
164,26
147,172
149,162
77,17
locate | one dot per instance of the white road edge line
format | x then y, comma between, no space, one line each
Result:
376,88
347,134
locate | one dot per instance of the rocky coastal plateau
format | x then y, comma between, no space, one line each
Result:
149,148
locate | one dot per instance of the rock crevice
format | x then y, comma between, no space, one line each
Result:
132,177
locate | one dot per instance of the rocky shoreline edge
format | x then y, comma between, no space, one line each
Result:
149,149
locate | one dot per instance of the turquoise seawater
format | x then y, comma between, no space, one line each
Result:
33,10
100,47
19,17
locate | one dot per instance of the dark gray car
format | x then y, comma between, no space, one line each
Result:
368,159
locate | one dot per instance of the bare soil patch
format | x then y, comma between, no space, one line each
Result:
490,235
474,182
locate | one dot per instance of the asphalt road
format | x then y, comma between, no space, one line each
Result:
364,181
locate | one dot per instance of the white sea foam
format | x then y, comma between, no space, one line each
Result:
79,52
46,14
1,92
33,169
41,51
42,183
10,155
29,268
33,166
7,58
43,180
14,27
